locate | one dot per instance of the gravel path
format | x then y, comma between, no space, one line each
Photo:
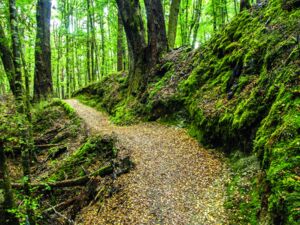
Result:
175,180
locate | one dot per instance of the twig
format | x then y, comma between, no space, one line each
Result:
62,215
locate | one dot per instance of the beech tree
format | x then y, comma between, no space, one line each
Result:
89,39
143,55
157,38
42,76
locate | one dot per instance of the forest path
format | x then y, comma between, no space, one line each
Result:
175,180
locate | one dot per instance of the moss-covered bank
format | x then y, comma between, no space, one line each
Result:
241,90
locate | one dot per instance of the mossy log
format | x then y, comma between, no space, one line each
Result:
79,181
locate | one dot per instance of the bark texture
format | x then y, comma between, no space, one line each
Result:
142,55
196,21
130,12
120,47
43,78
16,52
21,103
7,60
6,218
244,4
173,20
157,38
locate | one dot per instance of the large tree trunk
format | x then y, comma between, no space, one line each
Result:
130,12
173,19
43,78
7,60
157,38
142,56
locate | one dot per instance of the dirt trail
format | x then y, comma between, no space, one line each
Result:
175,181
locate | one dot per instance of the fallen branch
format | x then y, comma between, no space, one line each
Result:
80,181
48,145
54,209
63,205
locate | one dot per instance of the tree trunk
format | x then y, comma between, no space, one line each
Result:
157,38
6,218
120,47
16,53
95,46
27,85
196,25
102,44
244,4
58,47
235,7
43,78
130,12
88,49
7,60
143,56
21,102
214,14
173,19
93,42
67,27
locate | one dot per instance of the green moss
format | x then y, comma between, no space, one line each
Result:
124,112
110,95
50,117
244,202
66,107
154,88
278,143
94,149
240,91
90,100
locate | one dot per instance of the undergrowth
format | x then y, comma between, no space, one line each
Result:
241,90
96,149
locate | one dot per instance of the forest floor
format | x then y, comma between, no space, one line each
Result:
174,179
